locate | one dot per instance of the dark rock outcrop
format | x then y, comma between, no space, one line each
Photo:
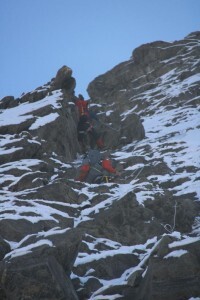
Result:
4,248
174,277
64,79
42,271
36,279
8,102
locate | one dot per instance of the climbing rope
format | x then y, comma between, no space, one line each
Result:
134,172
168,227
138,173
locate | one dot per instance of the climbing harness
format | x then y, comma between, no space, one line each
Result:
106,178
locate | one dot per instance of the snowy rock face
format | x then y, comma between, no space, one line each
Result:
135,238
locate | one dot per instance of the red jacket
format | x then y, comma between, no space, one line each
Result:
107,165
84,170
82,106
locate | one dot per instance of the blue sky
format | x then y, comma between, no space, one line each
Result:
37,37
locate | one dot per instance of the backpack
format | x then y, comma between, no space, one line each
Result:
94,157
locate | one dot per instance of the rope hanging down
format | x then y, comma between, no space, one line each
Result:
138,173
135,171
168,227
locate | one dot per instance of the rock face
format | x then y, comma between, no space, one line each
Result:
64,79
168,277
37,279
134,238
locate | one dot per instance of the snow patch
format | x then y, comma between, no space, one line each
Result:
176,253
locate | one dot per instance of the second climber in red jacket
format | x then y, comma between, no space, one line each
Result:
107,165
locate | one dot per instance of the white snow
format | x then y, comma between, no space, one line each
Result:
84,258
41,121
41,211
25,111
185,241
23,164
109,112
27,249
116,193
4,151
185,134
102,297
176,253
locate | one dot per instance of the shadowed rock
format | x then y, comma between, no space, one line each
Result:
36,278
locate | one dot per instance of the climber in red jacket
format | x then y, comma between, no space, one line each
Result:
107,164
102,171
82,105
84,170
